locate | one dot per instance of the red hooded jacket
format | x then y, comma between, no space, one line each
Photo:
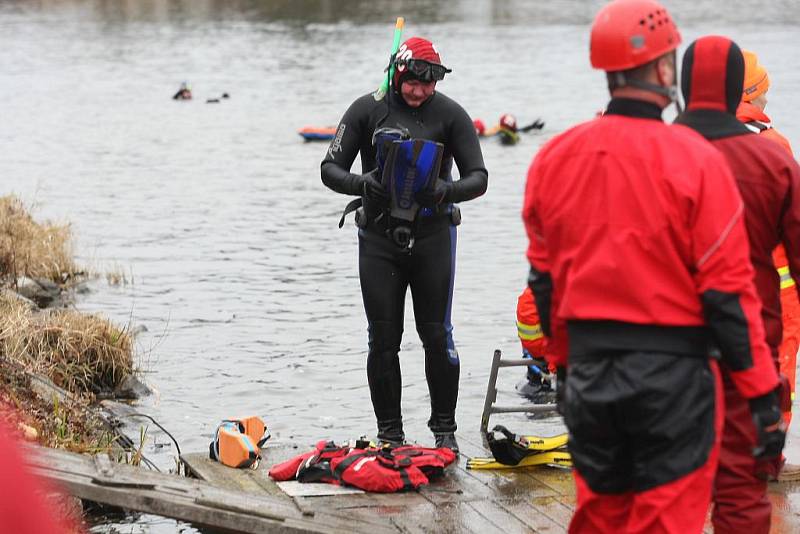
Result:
638,228
767,176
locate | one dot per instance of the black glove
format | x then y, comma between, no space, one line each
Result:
373,189
561,388
770,428
430,197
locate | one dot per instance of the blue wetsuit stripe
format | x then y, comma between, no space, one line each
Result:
448,325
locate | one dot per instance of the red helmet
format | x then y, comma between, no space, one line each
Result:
630,33
507,120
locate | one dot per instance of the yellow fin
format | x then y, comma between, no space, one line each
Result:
557,458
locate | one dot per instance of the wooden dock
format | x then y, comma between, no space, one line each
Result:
536,499
524,500
96,478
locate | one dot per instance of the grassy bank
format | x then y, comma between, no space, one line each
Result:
80,353
29,248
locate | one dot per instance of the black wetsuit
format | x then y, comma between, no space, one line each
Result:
386,270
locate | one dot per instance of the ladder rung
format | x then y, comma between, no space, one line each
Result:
515,363
536,408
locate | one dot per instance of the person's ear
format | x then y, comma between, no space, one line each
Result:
665,70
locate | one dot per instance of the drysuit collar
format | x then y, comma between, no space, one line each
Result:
632,107
711,81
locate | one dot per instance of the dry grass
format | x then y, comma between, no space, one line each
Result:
32,249
116,276
83,354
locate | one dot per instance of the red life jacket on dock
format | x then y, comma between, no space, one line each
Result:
381,470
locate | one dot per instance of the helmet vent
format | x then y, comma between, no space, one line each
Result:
655,19
637,41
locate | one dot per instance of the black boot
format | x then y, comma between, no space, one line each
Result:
447,439
443,427
390,433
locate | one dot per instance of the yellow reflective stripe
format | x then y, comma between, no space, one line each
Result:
786,277
529,332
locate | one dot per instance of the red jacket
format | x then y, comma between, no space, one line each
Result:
640,223
769,181
766,174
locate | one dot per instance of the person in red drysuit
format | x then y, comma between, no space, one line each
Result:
769,182
639,265
751,113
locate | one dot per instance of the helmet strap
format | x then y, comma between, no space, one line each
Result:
671,92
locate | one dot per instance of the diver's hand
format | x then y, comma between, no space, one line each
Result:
770,428
373,189
430,197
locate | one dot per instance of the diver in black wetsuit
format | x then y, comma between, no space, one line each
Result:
386,268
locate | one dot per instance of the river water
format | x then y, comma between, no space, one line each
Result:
216,213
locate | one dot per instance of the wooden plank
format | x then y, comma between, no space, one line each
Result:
364,505
185,499
457,485
497,515
553,508
532,517
202,467
293,488
560,480
468,519
422,517
507,483
344,502
254,480
428,517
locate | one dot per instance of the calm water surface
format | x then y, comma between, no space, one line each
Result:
248,290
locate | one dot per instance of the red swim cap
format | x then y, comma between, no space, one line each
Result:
414,48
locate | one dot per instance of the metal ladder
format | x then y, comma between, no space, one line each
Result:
491,395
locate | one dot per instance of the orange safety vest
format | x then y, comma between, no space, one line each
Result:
790,316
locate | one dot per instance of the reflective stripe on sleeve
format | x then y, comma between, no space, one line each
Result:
786,277
529,332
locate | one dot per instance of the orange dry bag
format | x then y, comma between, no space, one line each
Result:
238,442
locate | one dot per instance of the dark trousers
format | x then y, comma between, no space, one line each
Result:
386,272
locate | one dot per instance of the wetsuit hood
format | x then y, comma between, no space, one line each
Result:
711,79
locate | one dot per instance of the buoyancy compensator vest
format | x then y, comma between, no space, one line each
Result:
407,166
383,470
238,441
411,166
